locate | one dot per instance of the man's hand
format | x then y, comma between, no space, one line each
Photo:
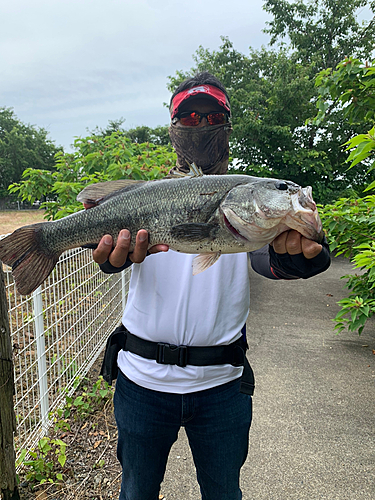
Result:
294,256
120,253
293,243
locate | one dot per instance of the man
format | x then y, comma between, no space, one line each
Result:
157,394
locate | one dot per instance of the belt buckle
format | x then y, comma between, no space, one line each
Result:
170,354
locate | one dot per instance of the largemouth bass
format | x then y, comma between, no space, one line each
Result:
200,214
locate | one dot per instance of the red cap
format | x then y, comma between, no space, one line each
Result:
207,90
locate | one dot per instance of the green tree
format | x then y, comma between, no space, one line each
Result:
22,146
113,126
158,135
95,159
323,32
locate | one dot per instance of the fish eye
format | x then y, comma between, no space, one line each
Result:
282,186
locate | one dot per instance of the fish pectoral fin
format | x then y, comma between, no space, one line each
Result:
96,193
194,232
203,261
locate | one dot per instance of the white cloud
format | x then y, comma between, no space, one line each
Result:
71,65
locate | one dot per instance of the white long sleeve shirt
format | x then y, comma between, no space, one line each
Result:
166,303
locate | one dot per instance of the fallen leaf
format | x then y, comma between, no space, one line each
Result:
373,351
97,443
41,495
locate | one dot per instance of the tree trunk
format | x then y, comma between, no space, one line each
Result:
8,483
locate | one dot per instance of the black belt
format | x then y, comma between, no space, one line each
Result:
232,354
182,355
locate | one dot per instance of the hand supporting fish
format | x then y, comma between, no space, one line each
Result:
117,255
293,243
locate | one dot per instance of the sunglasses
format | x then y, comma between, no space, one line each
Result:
193,118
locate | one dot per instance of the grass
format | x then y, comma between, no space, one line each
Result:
13,219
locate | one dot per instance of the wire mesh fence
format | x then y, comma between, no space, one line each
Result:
57,333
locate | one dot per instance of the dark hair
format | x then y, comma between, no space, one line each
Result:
204,78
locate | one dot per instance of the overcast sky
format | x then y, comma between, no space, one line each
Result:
69,65
72,65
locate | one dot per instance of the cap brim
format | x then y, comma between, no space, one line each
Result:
200,91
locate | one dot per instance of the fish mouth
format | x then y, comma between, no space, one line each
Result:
305,216
232,229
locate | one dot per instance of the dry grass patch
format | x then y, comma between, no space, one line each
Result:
13,219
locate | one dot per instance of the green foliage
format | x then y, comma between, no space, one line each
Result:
350,222
350,87
81,406
273,95
22,146
158,135
350,225
322,32
95,159
363,146
89,400
46,462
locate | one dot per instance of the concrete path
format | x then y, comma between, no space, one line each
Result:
313,431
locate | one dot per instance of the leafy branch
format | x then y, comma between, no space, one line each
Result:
95,159
350,222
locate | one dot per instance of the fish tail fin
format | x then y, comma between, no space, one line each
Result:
30,262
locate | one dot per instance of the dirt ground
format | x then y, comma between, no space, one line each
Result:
13,219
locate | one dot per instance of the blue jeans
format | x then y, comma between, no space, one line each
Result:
217,423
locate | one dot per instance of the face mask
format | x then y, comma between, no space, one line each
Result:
207,147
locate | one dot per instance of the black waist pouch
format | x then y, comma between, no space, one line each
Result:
247,379
117,341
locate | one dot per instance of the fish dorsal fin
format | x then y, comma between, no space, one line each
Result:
95,193
194,170
203,261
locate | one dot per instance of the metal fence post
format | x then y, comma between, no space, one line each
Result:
41,354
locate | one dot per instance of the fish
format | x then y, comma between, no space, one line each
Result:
207,215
